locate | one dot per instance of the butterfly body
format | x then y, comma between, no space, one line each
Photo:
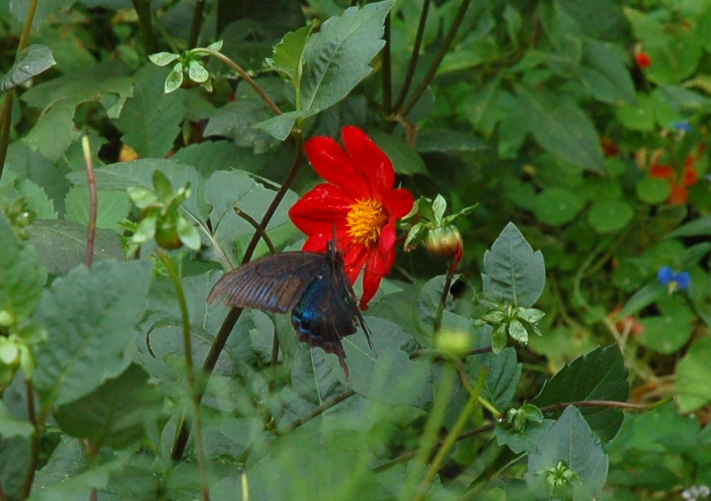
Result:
313,286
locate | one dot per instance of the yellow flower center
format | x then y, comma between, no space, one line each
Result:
365,220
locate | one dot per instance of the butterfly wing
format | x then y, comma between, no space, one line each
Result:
273,283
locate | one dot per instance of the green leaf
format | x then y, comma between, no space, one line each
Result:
571,440
503,371
115,414
32,61
643,298
14,464
163,58
605,74
12,426
90,315
37,199
226,190
693,374
556,206
151,119
337,58
174,79
609,216
288,58
197,72
61,245
21,277
653,191
668,332
525,440
598,375
427,303
139,173
514,273
561,128
280,126
112,208
697,228
405,159
188,234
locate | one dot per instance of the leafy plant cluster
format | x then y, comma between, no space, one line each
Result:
148,147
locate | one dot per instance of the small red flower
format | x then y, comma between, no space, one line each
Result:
359,199
679,194
643,60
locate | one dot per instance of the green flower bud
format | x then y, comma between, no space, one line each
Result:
445,243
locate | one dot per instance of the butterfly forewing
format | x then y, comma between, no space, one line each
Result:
274,283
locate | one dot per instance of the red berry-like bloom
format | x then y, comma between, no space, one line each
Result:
359,200
643,60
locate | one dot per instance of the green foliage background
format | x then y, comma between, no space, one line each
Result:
541,112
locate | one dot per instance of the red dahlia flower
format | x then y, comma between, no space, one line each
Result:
359,200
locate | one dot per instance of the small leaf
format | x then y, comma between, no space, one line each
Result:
216,46
693,374
518,332
609,216
514,272
188,234
174,79
289,53
163,58
197,72
32,61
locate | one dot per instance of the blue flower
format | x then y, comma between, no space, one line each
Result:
673,281
682,126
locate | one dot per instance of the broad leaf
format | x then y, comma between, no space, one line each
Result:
151,119
61,245
12,426
405,159
514,273
115,414
692,377
599,375
112,208
561,128
90,315
32,61
571,440
289,53
337,57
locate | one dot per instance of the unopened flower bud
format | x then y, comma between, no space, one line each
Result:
453,343
445,243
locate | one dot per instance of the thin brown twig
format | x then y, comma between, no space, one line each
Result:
93,200
437,60
319,410
387,80
258,228
415,56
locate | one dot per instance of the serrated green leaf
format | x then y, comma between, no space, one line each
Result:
280,126
115,414
598,375
61,245
37,199
514,273
571,440
151,119
405,160
337,57
139,173
91,328
32,61
561,128
112,208
21,276
289,53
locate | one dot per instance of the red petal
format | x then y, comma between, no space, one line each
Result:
690,176
319,209
399,202
354,259
376,268
332,163
661,172
387,237
679,195
375,165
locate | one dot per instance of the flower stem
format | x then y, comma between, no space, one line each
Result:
6,114
34,444
319,410
93,200
443,301
240,71
189,371
451,437
143,11
437,60
434,422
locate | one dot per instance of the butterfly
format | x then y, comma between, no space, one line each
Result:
313,286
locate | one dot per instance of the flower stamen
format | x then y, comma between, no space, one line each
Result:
365,220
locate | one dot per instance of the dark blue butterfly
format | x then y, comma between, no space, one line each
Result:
313,286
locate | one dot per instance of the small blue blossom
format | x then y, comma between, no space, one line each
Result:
673,281
682,126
